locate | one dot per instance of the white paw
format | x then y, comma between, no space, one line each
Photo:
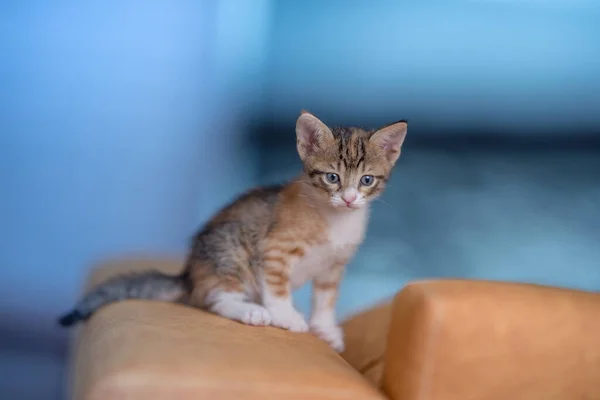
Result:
256,315
330,333
288,318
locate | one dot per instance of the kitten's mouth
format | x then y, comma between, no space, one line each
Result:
346,207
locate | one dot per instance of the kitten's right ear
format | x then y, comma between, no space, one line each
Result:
311,134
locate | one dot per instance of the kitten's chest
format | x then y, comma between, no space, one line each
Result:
345,231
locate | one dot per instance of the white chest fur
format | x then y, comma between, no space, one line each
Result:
346,231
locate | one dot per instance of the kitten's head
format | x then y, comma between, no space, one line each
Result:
349,167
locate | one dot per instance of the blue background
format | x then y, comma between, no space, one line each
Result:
125,124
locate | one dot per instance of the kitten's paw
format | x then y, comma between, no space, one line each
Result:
256,315
330,333
288,318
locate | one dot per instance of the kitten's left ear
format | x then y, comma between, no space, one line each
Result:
390,139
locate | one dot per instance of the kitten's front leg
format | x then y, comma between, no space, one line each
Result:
277,291
323,321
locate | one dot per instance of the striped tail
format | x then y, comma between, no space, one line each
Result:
151,285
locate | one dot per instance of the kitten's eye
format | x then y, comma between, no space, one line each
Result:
367,180
332,178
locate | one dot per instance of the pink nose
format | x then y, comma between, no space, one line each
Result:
349,198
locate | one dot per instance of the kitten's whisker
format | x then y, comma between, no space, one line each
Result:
384,202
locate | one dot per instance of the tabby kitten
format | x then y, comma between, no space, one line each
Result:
246,261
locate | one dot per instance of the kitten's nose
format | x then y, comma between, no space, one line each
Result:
349,198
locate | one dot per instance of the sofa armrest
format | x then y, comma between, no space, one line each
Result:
484,340
152,350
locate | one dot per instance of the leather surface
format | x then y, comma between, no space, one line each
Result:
470,340
151,350
365,336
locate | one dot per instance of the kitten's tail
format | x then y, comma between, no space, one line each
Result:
151,285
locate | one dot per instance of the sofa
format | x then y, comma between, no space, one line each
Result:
437,339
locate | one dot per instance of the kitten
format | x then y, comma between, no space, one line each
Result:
246,261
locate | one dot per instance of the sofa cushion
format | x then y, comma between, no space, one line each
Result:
365,335
151,350
471,340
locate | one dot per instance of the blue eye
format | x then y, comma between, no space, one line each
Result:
332,178
367,180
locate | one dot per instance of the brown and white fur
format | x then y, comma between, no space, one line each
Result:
246,261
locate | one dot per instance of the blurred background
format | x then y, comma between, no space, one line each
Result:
125,124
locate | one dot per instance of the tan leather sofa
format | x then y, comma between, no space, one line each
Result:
446,340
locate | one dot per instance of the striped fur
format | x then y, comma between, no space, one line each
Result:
245,262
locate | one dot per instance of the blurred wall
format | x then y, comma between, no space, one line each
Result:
119,130
513,67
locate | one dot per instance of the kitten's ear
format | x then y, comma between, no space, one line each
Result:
390,139
311,134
